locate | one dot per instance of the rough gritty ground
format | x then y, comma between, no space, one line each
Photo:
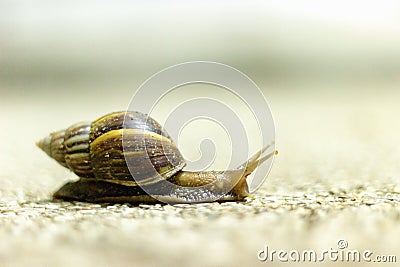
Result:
336,178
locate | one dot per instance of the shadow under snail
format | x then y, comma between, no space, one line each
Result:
100,152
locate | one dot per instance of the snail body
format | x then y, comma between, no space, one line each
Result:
128,157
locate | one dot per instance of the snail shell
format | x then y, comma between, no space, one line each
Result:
99,153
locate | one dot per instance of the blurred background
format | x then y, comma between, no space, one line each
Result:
330,71
274,42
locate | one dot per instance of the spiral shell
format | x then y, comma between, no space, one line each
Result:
103,148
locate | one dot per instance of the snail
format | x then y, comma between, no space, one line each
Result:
127,157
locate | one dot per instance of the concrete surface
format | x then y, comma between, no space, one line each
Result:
337,177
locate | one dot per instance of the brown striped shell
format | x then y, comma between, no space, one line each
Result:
103,148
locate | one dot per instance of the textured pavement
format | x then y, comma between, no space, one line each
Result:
336,177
